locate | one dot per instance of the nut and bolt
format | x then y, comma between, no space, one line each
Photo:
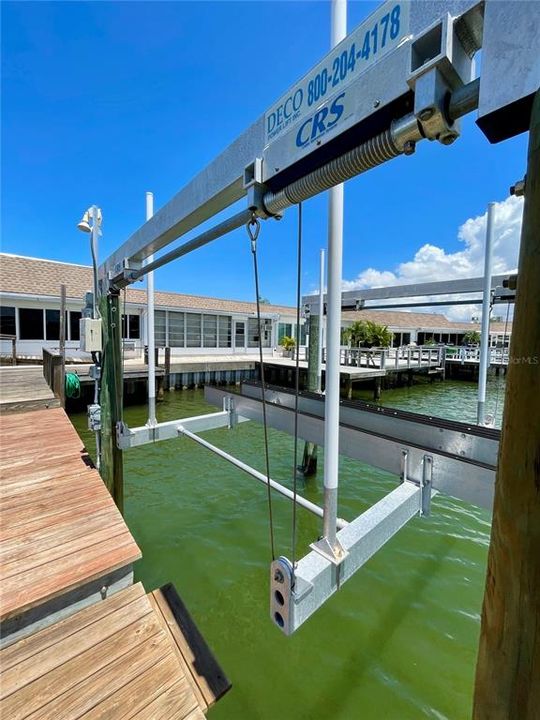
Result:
279,577
426,114
518,189
376,103
449,138
409,147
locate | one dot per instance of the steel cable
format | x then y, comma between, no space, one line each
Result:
297,384
253,227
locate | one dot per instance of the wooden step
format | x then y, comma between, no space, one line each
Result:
125,657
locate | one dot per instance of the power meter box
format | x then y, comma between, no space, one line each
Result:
90,334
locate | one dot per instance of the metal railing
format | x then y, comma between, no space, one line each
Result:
463,355
392,358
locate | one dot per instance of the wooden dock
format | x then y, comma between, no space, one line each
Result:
23,387
78,638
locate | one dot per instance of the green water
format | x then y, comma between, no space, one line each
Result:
399,640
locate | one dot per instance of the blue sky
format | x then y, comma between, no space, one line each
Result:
102,101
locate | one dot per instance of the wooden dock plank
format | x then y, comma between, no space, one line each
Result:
60,528
116,659
30,646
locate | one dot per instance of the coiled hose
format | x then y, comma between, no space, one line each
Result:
73,385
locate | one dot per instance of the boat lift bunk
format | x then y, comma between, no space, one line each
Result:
417,87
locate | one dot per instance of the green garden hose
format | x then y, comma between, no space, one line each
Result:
73,385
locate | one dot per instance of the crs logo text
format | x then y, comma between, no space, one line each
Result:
323,120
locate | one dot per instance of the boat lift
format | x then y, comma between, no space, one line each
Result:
404,75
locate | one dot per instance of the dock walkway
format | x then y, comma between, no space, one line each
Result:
78,639
23,387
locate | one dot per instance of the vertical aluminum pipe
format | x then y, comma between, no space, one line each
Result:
333,327
320,343
486,310
150,336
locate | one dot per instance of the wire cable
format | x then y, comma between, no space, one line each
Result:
253,227
296,384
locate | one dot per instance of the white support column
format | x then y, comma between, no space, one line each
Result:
150,327
486,311
330,544
321,323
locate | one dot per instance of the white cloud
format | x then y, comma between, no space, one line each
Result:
431,263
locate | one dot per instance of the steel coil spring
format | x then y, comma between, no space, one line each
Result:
373,152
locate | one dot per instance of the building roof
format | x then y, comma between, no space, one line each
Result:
34,276
419,321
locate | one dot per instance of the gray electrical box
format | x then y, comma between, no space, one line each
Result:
90,334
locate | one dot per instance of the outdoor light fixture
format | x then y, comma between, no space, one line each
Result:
84,225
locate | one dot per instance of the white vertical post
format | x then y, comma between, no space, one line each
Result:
321,324
486,310
333,329
150,337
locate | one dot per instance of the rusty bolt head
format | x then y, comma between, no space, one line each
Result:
278,576
409,147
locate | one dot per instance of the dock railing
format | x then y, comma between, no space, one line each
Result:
471,355
393,358
11,342
54,373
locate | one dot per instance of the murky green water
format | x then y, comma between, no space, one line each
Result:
398,642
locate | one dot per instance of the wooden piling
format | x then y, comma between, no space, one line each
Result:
508,668
112,383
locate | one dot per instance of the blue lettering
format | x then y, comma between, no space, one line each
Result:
336,109
300,142
271,122
318,122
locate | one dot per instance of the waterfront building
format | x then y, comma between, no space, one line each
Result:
188,324
191,325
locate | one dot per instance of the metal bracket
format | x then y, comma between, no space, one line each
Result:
255,203
426,486
336,553
228,406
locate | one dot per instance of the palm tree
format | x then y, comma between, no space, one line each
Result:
472,337
365,333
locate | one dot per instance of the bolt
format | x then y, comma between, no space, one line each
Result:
376,103
409,147
279,577
449,138
426,114
518,189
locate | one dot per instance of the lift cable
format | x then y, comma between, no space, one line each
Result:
502,359
253,228
297,383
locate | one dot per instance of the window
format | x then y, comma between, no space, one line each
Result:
193,330
160,332
224,332
253,332
210,331
134,326
74,318
7,320
131,327
176,329
284,330
31,323
239,334
52,324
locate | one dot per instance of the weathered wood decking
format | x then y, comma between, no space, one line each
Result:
24,388
60,527
79,640
114,659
